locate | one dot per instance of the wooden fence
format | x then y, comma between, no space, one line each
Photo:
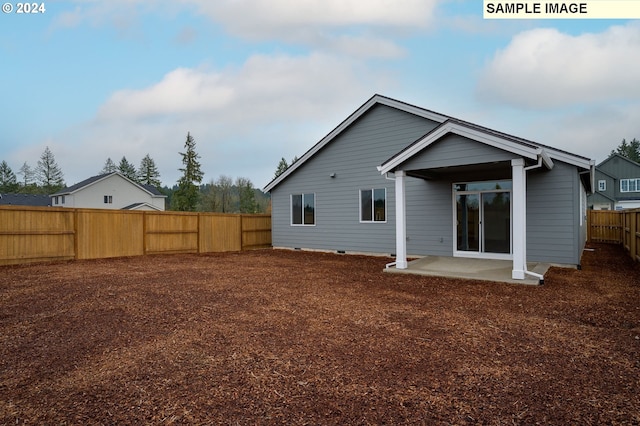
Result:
35,234
616,227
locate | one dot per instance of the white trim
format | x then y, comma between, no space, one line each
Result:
628,180
602,184
373,210
315,203
401,221
448,127
480,253
518,219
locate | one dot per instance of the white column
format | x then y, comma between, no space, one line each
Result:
401,221
519,219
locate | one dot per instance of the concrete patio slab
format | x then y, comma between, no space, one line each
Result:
468,268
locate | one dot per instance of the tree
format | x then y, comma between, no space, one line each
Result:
109,167
186,196
27,174
127,169
282,167
148,173
48,172
8,181
246,196
224,185
630,150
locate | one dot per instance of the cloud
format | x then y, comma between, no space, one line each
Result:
243,118
546,68
278,18
260,90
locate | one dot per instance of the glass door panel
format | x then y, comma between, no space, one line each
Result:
496,222
468,218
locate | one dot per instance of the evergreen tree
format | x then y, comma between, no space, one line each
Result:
246,196
28,175
185,198
48,173
8,181
109,167
127,169
282,167
630,150
148,173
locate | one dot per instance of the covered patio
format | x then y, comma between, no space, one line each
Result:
475,269
471,159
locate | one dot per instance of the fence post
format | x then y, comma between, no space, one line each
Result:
632,234
75,234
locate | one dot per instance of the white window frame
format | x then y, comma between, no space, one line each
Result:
626,185
602,185
315,205
373,208
107,199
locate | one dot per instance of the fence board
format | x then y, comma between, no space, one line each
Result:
171,232
220,232
605,226
256,231
108,233
30,234
617,227
35,235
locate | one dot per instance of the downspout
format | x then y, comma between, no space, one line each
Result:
526,271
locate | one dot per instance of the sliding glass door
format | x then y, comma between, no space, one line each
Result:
483,217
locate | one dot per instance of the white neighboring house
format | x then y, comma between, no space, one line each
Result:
110,191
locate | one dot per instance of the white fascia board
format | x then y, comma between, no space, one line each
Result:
377,99
574,160
546,160
473,134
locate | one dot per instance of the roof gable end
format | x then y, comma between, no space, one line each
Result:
363,109
99,178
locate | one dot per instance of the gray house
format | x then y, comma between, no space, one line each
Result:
397,179
617,184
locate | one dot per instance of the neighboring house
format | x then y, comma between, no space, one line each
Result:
617,184
37,200
109,191
397,179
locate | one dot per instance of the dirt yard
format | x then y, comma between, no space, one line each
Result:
279,337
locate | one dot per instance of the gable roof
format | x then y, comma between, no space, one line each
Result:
616,155
373,101
523,147
138,206
519,146
152,190
33,200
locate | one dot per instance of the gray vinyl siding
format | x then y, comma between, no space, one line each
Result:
353,156
553,215
455,150
553,196
429,217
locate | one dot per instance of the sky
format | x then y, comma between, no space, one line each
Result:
254,81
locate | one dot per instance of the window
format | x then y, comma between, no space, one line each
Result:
373,205
303,209
108,199
602,185
630,185
62,199
56,200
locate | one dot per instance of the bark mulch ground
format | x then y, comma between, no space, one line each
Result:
279,337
